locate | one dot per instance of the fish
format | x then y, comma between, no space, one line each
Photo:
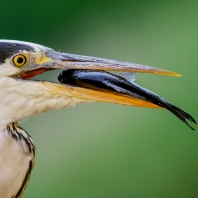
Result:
123,83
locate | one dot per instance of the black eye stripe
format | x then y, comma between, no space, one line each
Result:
7,50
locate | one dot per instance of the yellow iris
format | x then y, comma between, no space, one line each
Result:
19,60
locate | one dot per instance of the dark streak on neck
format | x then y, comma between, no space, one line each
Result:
25,181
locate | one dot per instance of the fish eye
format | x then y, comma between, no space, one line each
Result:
19,60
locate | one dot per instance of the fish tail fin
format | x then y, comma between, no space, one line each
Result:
181,114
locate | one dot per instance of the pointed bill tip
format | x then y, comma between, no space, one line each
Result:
154,70
169,73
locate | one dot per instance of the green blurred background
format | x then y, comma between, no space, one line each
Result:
106,150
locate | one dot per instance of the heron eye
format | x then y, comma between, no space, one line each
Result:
19,60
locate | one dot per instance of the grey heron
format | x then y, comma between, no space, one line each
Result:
21,97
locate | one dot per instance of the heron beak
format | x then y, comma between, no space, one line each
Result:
89,95
58,60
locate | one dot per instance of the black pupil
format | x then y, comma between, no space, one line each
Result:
20,60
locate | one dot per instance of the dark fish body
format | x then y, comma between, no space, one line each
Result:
105,81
